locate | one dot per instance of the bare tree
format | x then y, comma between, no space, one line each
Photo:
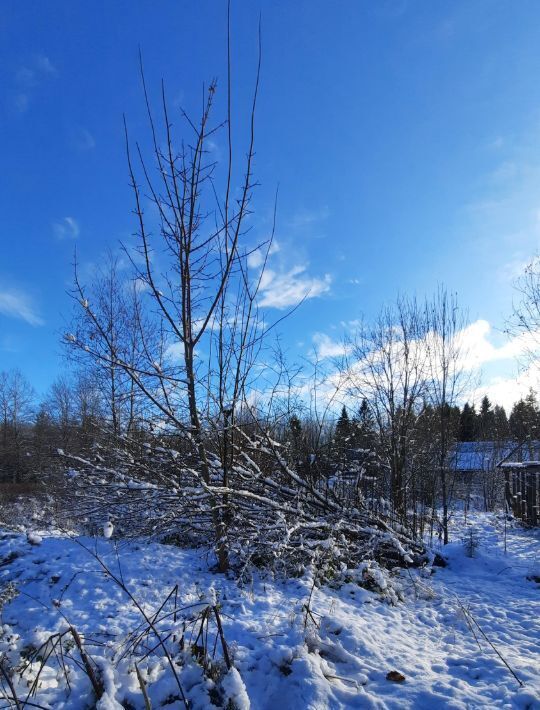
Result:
16,410
525,320
60,405
388,365
447,379
110,328
211,464
192,366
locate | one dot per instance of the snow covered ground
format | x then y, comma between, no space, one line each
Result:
337,657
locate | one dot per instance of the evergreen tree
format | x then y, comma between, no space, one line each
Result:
342,434
363,427
486,421
467,423
524,418
501,430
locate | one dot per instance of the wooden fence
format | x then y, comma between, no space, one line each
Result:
523,491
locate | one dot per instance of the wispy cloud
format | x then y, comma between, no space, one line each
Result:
496,143
28,77
9,344
389,9
44,65
303,218
66,228
82,140
504,172
503,211
20,102
515,267
289,288
15,304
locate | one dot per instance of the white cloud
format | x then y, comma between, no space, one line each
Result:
478,350
507,390
289,288
66,228
256,258
325,347
15,304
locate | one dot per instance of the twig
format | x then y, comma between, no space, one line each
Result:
96,683
147,704
11,686
222,637
467,612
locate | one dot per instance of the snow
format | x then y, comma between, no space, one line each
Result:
235,690
33,538
336,656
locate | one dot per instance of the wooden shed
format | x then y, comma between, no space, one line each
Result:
522,489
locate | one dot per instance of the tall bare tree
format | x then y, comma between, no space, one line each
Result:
388,365
447,380
16,410
525,320
191,367
108,320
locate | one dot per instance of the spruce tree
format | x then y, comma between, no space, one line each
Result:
500,424
524,418
363,428
486,421
343,428
467,423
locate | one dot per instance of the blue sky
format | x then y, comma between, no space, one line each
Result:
404,136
